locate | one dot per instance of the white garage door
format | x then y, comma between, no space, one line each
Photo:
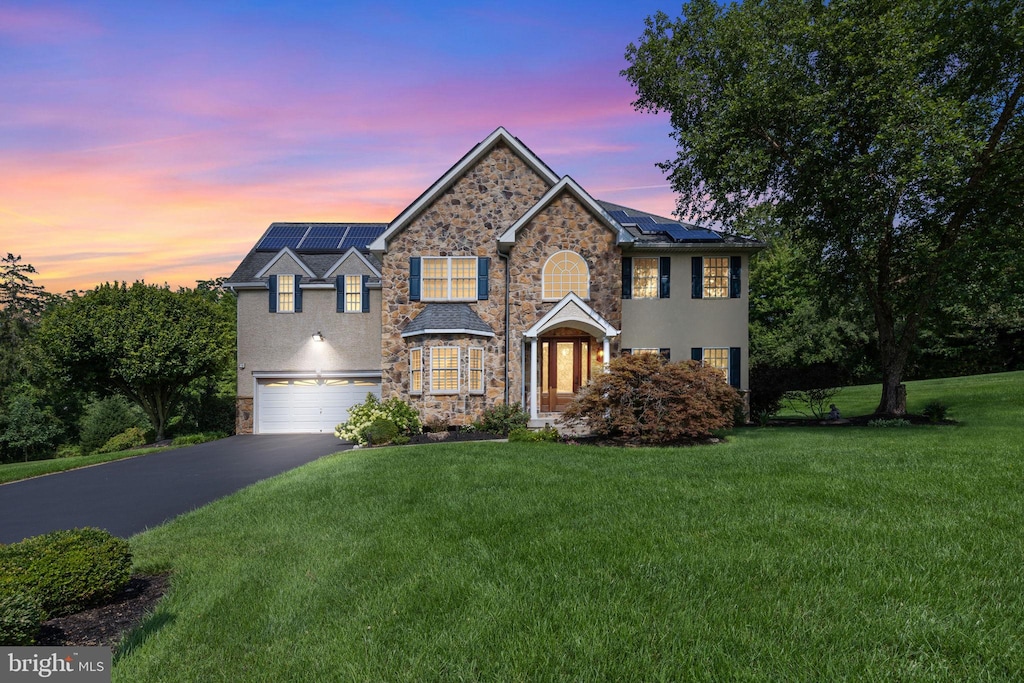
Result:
289,406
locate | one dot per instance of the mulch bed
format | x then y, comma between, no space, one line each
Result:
453,435
106,625
860,421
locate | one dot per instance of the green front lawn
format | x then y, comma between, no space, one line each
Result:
17,471
784,554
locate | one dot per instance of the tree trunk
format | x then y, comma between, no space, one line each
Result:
894,395
892,353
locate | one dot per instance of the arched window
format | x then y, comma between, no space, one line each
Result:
566,272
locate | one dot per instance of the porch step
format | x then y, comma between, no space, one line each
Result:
555,420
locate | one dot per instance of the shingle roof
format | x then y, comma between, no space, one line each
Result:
642,239
447,319
318,262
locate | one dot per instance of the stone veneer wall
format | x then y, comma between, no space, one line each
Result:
565,224
466,220
243,415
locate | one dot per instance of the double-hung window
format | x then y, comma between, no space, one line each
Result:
716,277
416,371
444,370
726,359
353,293
476,370
285,295
449,278
646,277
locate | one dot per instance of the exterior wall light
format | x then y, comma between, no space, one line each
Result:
318,336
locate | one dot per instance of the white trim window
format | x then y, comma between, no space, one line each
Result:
444,370
416,370
716,277
565,272
285,293
717,357
353,293
449,278
476,370
645,278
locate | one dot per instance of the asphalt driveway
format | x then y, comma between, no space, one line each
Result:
127,496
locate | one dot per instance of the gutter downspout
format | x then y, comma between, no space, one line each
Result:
504,257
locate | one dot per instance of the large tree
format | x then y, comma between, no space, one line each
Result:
886,137
144,342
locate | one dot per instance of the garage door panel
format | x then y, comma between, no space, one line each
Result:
308,405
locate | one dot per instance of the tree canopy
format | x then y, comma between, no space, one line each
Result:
144,342
886,139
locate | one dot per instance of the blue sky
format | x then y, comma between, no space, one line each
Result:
158,140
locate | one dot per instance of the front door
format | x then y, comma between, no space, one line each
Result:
564,367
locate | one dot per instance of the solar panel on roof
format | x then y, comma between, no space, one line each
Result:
680,233
281,236
371,231
644,220
620,216
323,238
320,244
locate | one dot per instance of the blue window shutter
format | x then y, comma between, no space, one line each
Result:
666,354
664,266
627,277
414,278
298,294
339,284
483,268
626,352
697,354
734,277
697,277
366,294
273,293
734,366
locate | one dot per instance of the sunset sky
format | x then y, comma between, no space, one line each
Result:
157,140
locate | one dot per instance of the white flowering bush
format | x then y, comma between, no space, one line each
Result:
372,409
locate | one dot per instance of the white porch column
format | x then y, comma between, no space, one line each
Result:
534,398
607,350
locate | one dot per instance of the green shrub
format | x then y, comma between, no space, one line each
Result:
381,431
936,411
69,451
503,418
193,439
372,409
68,571
133,437
645,399
894,423
21,615
106,418
522,434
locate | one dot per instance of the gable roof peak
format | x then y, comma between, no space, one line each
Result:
442,184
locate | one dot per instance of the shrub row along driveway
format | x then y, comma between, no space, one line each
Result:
127,496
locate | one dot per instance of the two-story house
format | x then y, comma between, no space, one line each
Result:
503,282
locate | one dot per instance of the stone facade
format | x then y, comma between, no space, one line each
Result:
465,220
564,225
243,415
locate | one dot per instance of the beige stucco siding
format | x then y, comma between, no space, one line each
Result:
283,342
681,323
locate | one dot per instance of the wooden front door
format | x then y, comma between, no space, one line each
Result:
564,368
